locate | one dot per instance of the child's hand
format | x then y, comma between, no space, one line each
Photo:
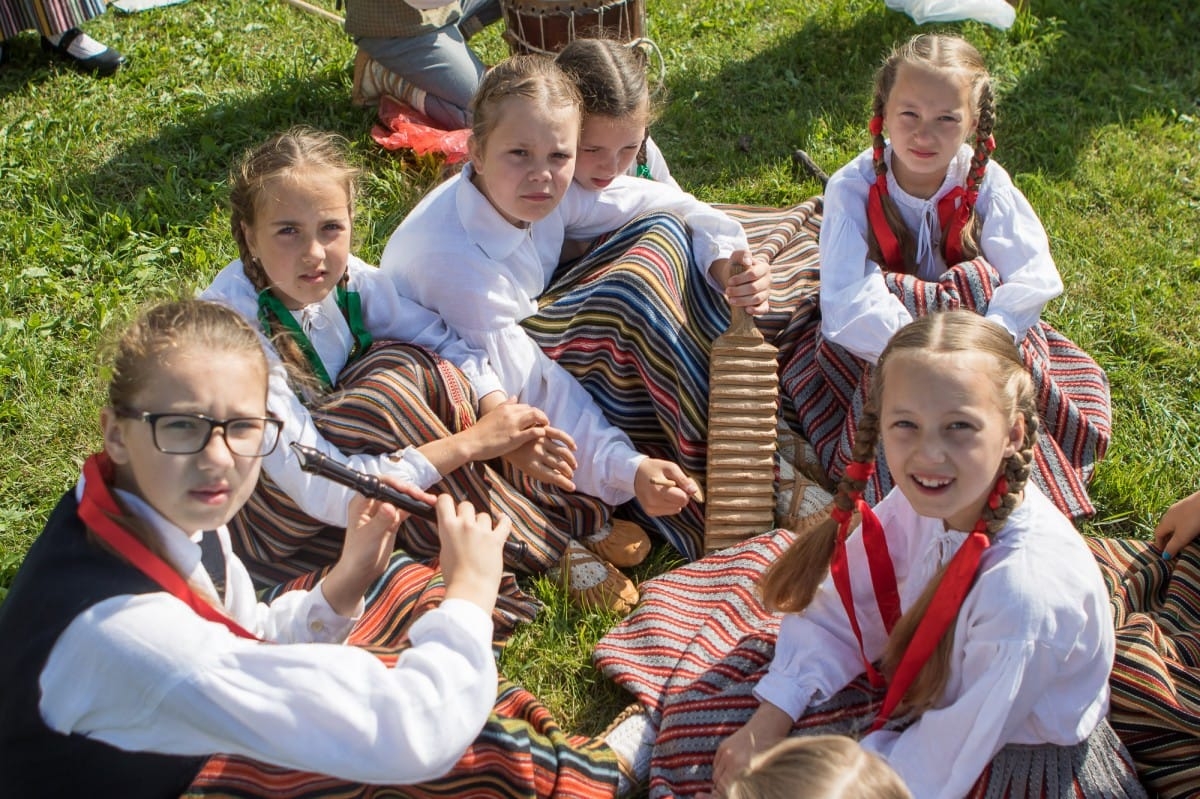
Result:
550,458
750,287
1179,526
768,726
370,538
472,552
663,488
506,427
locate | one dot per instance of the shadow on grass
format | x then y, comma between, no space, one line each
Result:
1079,66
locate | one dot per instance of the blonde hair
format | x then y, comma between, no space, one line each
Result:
534,77
817,767
790,583
949,54
296,154
159,335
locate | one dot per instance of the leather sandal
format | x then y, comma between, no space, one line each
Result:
592,583
622,543
102,64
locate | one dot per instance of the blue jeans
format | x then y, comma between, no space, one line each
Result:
439,63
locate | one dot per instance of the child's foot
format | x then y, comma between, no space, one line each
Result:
87,54
593,583
621,543
631,737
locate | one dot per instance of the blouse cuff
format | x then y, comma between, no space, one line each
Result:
324,624
410,465
1007,324
783,692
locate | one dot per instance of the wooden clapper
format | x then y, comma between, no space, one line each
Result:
743,404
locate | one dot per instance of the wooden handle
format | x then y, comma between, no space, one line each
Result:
741,323
320,12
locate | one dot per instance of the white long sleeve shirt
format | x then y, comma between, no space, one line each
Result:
1033,644
857,310
389,317
160,678
456,255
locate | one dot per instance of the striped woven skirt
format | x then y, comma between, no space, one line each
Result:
700,640
396,396
47,17
520,754
634,320
1156,676
827,387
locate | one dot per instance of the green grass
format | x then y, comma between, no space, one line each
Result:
114,192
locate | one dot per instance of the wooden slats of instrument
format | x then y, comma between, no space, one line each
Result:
742,429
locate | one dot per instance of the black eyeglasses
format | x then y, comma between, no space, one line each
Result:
189,433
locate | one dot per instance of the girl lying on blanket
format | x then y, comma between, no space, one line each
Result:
373,380
924,200
140,662
588,346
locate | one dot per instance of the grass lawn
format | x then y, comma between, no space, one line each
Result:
114,194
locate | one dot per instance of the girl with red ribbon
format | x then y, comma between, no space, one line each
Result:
925,220
138,666
971,604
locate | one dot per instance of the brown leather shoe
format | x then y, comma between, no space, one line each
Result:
621,543
594,584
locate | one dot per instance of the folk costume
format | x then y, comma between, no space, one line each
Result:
614,346
166,688
1024,710
863,303
395,377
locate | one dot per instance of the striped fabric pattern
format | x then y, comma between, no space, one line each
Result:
634,320
520,754
47,17
694,649
392,397
1156,676
828,387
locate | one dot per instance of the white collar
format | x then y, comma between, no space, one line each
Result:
485,226
956,175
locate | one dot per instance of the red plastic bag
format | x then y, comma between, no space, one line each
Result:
403,127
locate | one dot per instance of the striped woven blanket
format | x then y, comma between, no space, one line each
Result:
700,639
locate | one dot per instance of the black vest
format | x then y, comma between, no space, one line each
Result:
63,575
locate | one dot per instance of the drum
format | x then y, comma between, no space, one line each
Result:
545,26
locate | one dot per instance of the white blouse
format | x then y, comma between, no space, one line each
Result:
388,317
858,312
1033,644
456,255
160,678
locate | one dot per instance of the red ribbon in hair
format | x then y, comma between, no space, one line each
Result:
98,509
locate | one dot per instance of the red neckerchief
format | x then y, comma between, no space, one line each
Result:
954,211
943,610
889,245
879,563
98,509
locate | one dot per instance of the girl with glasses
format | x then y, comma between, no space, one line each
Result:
132,671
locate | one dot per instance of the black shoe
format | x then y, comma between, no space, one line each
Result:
102,64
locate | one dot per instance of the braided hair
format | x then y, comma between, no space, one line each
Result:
298,153
791,583
951,54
